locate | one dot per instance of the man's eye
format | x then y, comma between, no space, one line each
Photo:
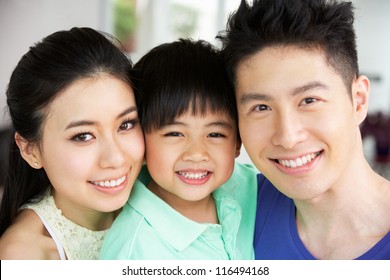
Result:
261,107
309,100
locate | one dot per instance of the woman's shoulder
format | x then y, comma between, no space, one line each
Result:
27,239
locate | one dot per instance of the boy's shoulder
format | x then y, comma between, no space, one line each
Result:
245,169
244,175
242,185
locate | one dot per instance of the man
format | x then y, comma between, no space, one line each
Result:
300,101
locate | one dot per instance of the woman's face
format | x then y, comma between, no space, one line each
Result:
92,147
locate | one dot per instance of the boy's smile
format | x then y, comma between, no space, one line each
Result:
192,157
194,177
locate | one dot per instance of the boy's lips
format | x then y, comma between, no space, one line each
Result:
194,177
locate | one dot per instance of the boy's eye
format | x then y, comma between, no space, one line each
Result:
82,137
216,135
173,134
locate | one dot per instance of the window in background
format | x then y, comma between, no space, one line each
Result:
153,22
198,19
184,20
125,23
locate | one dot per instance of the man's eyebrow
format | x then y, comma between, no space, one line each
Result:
308,86
89,122
254,96
247,97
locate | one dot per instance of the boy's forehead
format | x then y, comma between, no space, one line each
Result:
206,112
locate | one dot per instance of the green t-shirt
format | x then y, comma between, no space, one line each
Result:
149,229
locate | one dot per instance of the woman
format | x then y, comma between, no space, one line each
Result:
77,147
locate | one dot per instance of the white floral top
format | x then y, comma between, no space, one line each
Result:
77,242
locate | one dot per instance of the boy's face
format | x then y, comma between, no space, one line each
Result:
192,157
297,121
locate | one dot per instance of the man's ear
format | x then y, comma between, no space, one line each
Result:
360,96
29,151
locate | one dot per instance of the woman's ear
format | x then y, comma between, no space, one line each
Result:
29,151
360,96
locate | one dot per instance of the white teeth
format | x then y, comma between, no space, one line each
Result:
293,163
110,183
195,176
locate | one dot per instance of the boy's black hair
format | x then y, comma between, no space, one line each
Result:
176,77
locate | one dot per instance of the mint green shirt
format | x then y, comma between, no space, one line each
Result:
149,229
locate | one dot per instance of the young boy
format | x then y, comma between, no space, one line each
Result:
186,204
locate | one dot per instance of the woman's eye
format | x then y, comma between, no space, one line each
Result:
261,107
127,125
82,137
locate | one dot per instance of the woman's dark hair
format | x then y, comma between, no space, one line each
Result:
178,77
47,69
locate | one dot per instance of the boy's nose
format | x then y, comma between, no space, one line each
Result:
196,152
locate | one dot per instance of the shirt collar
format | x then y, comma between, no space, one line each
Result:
173,227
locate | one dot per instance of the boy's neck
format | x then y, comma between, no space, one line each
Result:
203,211
200,211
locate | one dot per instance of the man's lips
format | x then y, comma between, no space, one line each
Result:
298,161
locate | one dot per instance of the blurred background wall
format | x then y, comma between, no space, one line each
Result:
143,24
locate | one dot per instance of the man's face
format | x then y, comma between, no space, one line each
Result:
297,121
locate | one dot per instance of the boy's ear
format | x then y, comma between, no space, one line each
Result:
29,151
360,96
238,147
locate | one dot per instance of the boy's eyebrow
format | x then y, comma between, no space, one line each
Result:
89,122
221,123
216,123
298,90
